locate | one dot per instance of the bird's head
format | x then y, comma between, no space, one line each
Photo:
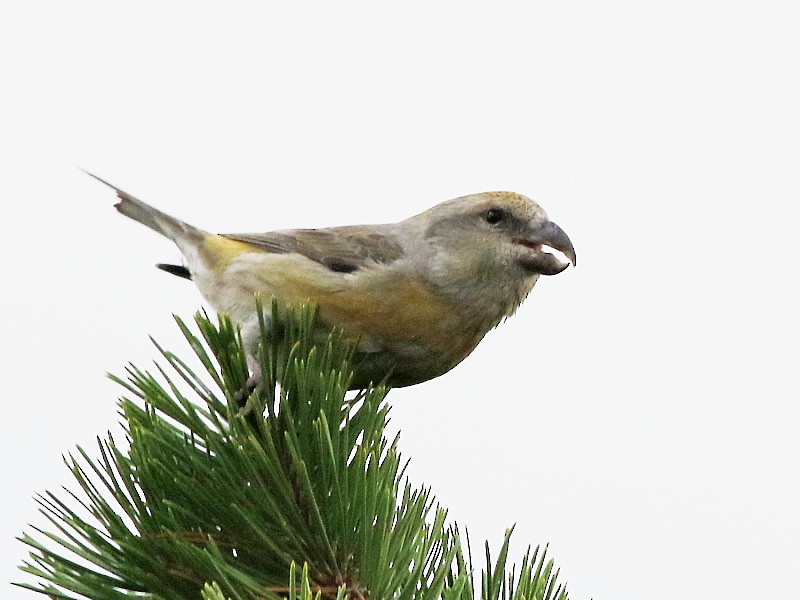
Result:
501,230
491,244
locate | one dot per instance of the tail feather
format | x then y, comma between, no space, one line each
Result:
178,270
183,234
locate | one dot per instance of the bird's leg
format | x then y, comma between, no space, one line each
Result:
247,397
254,365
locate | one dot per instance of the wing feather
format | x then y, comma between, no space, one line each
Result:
340,249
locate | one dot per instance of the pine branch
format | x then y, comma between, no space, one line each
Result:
214,500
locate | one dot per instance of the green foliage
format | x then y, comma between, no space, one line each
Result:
215,501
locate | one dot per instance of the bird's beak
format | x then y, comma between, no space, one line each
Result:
539,261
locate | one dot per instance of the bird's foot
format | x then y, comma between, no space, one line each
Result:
248,398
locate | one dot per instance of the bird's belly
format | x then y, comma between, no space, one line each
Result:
401,323
403,328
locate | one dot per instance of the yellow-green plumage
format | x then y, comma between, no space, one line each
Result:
418,295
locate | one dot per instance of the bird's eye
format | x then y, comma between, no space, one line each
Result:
494,216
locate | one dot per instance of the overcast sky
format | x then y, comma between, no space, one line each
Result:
639,413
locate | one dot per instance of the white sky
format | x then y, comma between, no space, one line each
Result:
639,413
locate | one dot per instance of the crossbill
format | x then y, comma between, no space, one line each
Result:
418,295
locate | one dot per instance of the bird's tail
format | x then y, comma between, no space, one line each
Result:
185,236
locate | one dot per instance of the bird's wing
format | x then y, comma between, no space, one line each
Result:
340,249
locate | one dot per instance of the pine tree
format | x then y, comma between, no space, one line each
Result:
297,494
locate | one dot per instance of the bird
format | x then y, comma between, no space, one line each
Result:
417,296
